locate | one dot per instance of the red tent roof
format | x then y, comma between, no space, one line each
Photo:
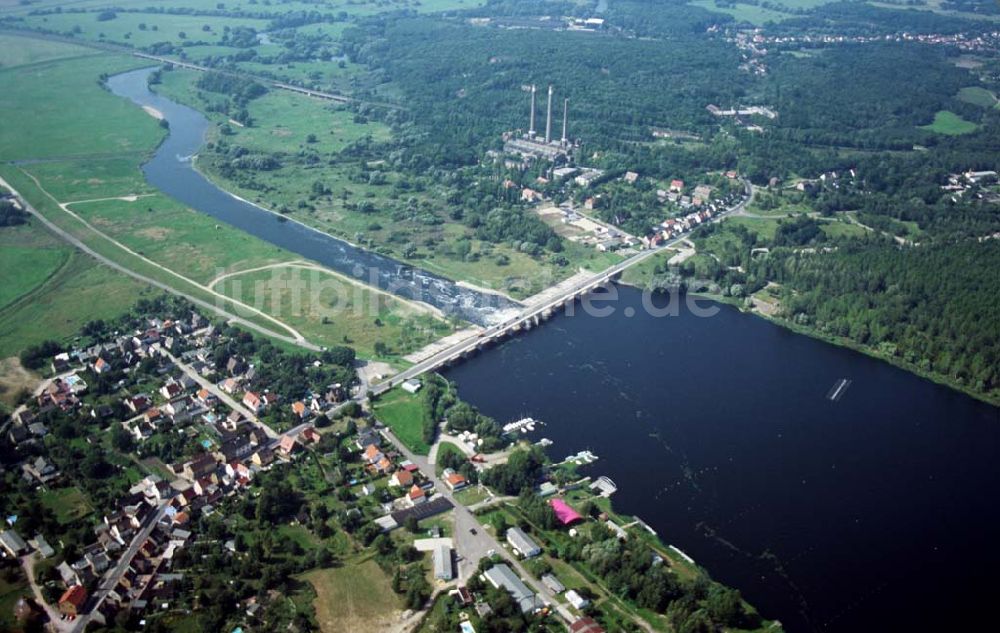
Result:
565,514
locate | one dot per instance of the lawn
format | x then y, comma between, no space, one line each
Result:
68,504
404,414
950,124
10,592
357,597
332,309
444,448
977,96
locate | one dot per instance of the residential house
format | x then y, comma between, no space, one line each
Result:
401,479
41,469
454,481
71,602
201,466
12,542
253,402
586,624
288,445
372,454
262,458
416,496
300,410
310,434
137,404
171,390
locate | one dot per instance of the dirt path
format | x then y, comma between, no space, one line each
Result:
55,624
302,264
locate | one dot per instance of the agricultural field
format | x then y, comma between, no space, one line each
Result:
356,597
950,124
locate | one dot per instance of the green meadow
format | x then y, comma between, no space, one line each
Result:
978,96
41,122
141,29
330,309
950,124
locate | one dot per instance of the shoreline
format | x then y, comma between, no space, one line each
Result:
848,344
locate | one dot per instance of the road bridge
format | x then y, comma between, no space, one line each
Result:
533,316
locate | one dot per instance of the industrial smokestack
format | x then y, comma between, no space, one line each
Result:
548,119
531,130
565,117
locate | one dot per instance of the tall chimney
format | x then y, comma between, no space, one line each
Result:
548,119
531,130
565,117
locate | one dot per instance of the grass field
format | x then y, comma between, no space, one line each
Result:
39,122
404,414
25,267
357,597
333,310
950,124
89,179
978,96
68,504
21,51
179,238
10,592
125,27
79,291
444,448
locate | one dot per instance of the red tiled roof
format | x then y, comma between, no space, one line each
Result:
75,595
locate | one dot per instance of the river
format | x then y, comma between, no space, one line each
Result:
171,171
874,512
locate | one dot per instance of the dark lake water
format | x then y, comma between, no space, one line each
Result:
875,512
170,170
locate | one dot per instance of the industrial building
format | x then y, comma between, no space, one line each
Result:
522,543
442,563
531,145
501,576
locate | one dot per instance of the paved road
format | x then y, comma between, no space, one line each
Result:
149,280
113,575
55,623
472,547
221,395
